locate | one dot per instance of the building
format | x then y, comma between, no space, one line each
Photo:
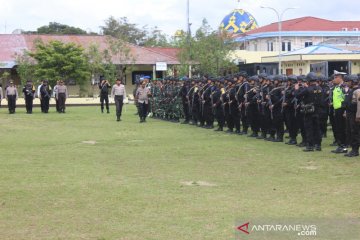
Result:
143,62
332,40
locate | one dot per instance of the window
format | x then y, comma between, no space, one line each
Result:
308,44
270,46
286,46
355,29
344,29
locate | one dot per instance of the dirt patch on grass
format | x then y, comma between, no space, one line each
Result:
198,183
91,142
310,168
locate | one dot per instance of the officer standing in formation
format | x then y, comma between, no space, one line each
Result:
61,95
29,95
45,95
1,94
268,104
11,95
118,92
104,86
142,97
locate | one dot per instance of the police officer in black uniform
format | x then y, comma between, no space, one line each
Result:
350,104
311,94
289,109
185,100
104,86
29,94
45,93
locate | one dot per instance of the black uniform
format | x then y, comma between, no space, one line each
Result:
29,91
311,108
277,123
104,95
185,101
45,92
219,110
352,127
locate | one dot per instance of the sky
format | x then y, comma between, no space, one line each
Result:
167,15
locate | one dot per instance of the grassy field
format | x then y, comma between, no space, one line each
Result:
82,175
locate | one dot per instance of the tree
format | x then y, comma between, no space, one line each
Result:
59,29
209,49
155,38
57,60
25,66
119,57
95,60
124,30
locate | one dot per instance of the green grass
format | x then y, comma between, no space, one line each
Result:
132,183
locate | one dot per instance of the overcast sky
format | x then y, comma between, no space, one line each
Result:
168,15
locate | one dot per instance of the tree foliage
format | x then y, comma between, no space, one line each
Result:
57,60
132,33
123,29
25,66
59,29
208,49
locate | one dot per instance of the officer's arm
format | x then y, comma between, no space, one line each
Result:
357,96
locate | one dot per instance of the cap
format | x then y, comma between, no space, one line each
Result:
292,78
243,74
278,78
311,77
339,73
147,77
263,75
353,78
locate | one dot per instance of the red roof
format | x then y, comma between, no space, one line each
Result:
308,24
16,43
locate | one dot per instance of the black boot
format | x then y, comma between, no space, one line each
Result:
230,130
220,129
352,153
317,147
309,149
102,110
107,111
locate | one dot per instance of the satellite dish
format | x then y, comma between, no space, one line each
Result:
17,31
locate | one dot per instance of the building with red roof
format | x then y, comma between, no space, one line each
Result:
143,59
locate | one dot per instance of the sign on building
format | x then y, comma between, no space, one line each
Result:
161,66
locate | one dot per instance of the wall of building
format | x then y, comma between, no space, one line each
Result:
261,44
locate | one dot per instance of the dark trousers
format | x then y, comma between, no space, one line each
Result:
244,118
42,105
332,121
11,103
208,114
29,103
289,114
300,125
45,102
186,110
312,126
220,117
354,131
61,99
143,110
104,98
235,116
57,105
195,112
340,127
119,104
253,116
278,124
